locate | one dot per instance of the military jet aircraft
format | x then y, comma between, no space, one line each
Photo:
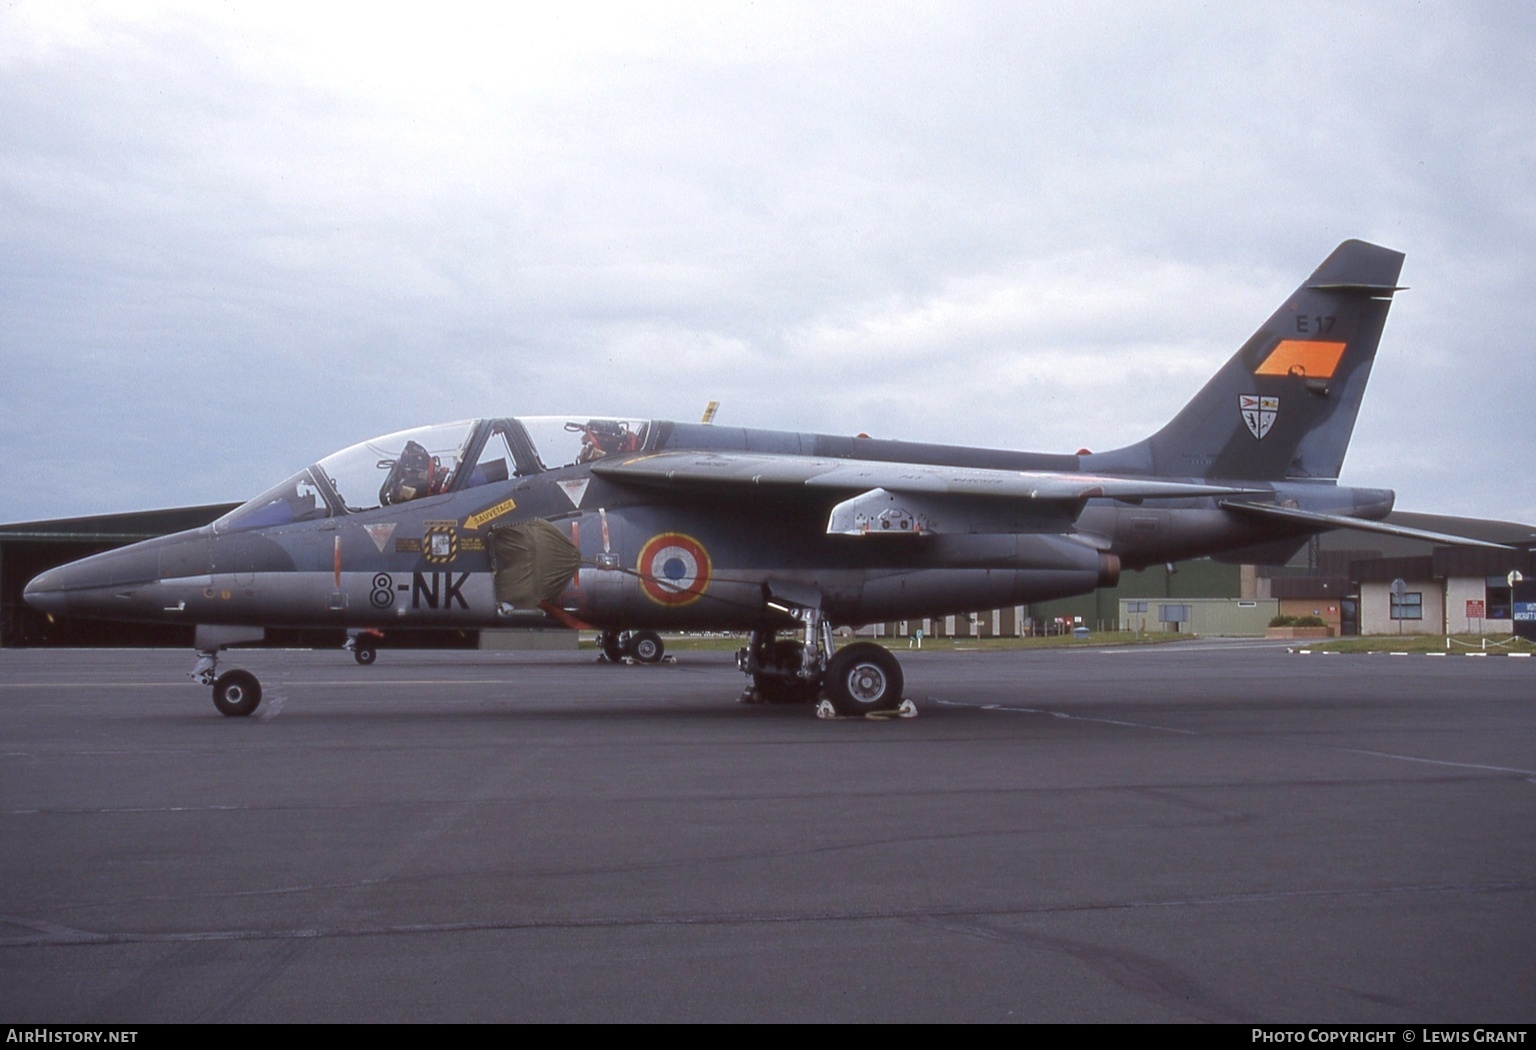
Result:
632,525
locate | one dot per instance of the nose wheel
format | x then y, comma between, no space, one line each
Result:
236,693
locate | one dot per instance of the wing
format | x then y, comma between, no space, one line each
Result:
1322,522
897,498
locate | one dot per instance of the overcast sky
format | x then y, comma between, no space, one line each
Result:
237,237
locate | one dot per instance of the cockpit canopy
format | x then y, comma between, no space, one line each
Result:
430,461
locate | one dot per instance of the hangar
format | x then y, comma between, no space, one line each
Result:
29,548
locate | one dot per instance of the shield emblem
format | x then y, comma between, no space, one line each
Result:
1258,413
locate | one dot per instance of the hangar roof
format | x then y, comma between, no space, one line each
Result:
116,528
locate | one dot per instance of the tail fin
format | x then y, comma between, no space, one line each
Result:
1284,406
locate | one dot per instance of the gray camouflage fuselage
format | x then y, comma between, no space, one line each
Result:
336,573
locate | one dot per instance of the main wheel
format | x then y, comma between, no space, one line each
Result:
365,654
863,677
612,647
646,647
236,693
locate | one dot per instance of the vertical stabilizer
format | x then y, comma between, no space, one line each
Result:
1285,405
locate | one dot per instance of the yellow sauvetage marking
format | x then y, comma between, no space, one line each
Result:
1314,360
474,521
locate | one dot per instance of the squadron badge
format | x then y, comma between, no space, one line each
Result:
1258,412
440,544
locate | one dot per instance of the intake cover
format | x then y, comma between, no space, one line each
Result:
533,561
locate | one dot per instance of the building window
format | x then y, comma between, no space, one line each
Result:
1173,613
1409,607
1500,598
1135,607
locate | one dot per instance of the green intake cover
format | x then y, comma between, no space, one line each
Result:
533,561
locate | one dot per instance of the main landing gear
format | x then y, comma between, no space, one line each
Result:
643,647
857,679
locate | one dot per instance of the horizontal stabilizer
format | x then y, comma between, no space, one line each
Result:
1367,289
1343,521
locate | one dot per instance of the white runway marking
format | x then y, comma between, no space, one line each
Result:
1073,718
1434,761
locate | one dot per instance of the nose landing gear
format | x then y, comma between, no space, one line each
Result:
363,645
236,693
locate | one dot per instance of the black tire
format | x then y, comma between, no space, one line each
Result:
612,647
365,654
646,647
863,677
236,693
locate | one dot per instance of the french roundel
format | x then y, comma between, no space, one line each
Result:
674,569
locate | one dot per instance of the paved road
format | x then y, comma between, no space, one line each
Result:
1181,833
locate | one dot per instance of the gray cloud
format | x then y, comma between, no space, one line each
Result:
231,242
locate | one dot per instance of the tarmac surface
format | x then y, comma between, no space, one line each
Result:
1193,832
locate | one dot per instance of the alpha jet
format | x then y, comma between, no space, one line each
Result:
632,526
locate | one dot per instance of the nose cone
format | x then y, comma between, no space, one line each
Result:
46,592
99,586
128,583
